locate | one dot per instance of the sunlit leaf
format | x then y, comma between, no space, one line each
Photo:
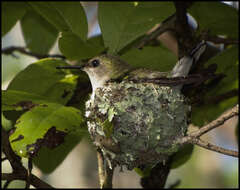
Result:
19,100
44,125
48,160
42,78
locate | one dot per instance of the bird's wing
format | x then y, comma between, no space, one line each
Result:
143,73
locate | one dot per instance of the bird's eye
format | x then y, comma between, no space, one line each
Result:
95,62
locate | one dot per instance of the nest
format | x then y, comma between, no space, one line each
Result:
137,124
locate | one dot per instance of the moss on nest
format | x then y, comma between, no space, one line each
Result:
137,123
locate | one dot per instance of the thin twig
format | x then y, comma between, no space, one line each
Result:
108,177
216,123
219,40
3,159
6,184
105,174
15,161
34,180
11,49
166,25
29,172
101,172
194,137
19,171
212,147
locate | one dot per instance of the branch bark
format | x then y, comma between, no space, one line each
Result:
166,25
101,173
186,41
216,123
34,180
213,147
105,173
194,137
19,171
108,177
11,49
218,40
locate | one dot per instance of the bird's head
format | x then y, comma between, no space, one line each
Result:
102,68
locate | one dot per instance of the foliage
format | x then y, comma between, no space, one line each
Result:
39,95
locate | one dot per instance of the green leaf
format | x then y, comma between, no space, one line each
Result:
182,156
219,18
75,49
50,14
11,13
123,22
75,17
227,63
65,16
155,58
42,78
44,125
19,100
6,124
38,34
48,160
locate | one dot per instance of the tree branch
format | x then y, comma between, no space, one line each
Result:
19,171
212,147
166,25
194,137
6,184
15,161
216,123
105,173
11,49
218,40
186,41
108,177
101,173
3,159
34,180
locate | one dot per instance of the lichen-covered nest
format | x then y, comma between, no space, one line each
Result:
137,124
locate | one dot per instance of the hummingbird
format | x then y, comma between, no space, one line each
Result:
134,112
106,68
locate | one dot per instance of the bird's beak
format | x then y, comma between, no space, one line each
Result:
81,67
71,67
